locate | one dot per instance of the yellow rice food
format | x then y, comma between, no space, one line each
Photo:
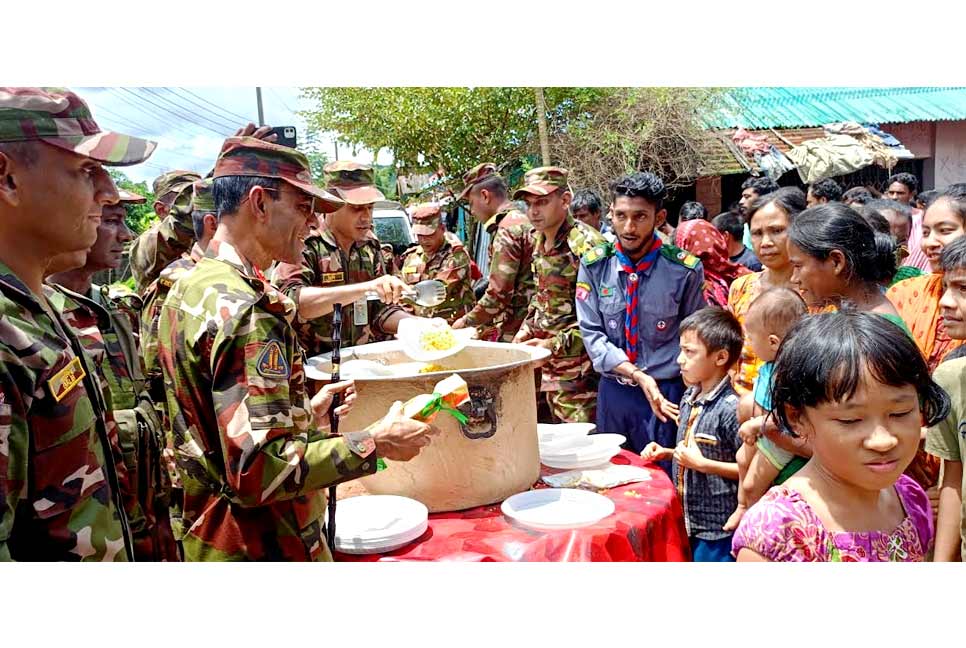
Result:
441,340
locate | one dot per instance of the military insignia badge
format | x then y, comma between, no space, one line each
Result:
332,277
66,379
271,361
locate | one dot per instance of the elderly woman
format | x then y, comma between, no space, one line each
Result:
838,260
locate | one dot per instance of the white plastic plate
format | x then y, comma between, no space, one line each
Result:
378,523
550,432
552,509
411,330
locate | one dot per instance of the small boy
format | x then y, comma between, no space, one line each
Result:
703,463
765,456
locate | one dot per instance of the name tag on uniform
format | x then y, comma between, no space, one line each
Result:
66,379
332,277
360,312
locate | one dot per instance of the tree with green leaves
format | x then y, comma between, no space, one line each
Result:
139,217
453,129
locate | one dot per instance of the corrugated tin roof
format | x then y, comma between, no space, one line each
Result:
721,161
756,108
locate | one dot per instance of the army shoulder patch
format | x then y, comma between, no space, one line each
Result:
271,361
679,256
596,253
583,290
66,379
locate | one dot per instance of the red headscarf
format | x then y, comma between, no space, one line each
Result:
703,240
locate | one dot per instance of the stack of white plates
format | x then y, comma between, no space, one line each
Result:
552,509
569,449
378,523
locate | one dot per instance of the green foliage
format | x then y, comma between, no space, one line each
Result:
139,217
453,129
386,180
316,156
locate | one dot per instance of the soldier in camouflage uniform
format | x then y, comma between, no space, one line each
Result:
172,235
105,318
252,459
440,255
60,476
204,222
341,253
502,309
569,380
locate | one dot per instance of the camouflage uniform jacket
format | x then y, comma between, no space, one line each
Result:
252,464
60,481
154,296
511,285
104,328
451,265
325,264
553,313
162,243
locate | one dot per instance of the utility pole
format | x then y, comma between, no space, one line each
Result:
542,126
261,113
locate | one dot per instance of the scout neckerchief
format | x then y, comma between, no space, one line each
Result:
633,277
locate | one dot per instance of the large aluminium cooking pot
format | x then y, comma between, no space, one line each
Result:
484,461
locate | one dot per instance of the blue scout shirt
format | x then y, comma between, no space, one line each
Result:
670,290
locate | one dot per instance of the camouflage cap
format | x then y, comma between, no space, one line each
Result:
427,218
129,197
60,118
543,181
353,182
173,182
248,156
202,197
475,175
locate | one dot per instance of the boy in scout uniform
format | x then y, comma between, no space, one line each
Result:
251,447
440,255
341,254
60,483
568,379
631,298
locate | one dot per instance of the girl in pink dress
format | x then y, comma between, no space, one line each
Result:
857,387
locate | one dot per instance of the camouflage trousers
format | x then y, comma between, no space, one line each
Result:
572,407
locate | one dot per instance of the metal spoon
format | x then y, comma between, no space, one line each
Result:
429,293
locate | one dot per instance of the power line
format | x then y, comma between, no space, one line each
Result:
189,100
224,110
163,119
188,110
129,123
282,101
177,114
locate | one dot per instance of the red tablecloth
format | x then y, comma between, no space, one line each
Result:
647,525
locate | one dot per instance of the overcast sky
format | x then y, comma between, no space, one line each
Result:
190,123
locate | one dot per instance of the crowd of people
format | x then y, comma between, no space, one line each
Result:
792,364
